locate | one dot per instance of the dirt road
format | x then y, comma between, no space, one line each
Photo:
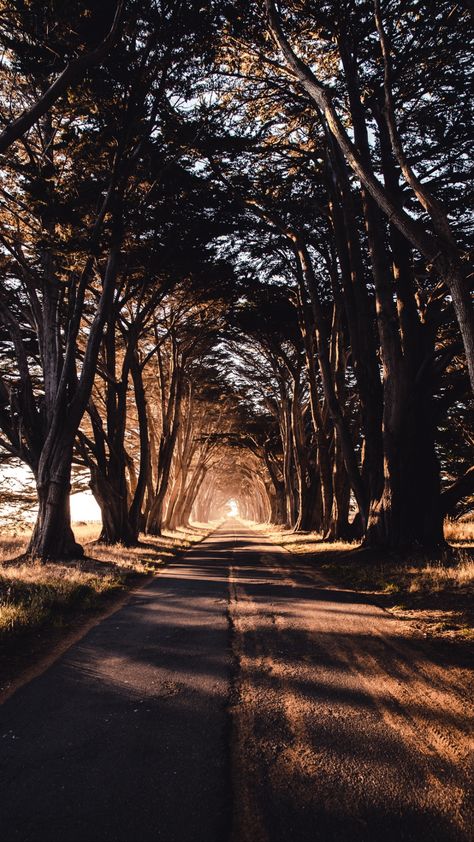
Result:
240,697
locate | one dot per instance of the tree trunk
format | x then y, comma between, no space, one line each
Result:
339,528
116,525
322,444
135,512
409,510
360,314
156,514
171,421
52,536
333,405
288,465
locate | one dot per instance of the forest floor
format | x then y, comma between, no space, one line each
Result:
240,696
43,607
433,595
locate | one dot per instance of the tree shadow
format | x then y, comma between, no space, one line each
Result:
127,736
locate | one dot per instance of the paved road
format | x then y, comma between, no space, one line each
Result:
239,697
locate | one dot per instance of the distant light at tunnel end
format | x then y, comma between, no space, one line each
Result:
232,508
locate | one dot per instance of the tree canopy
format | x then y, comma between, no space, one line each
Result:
235,250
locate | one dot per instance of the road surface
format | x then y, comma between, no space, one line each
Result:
240,697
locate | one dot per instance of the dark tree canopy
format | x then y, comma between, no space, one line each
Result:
235,250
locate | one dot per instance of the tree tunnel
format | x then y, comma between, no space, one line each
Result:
251,296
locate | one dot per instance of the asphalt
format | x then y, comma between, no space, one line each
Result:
125,738
240,697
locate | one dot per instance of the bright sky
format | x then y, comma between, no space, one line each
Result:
84,507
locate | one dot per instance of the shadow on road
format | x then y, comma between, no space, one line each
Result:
127,736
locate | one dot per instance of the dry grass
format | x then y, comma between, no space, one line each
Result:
151,553
456,572
390,575
34,595
459,532
302,543
437,577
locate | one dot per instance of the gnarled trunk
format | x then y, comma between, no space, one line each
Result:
156,514
278,504
52,536
409,509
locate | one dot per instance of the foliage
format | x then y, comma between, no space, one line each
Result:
233,262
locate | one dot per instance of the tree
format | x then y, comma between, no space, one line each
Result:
438,246
73,73
403,504
63,260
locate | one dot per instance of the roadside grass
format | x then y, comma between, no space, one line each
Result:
434,594
459,532
35,595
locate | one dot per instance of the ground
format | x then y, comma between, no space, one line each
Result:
241,695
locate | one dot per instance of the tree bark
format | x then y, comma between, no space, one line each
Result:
52,536
360,315
334,408
171,421
322,443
